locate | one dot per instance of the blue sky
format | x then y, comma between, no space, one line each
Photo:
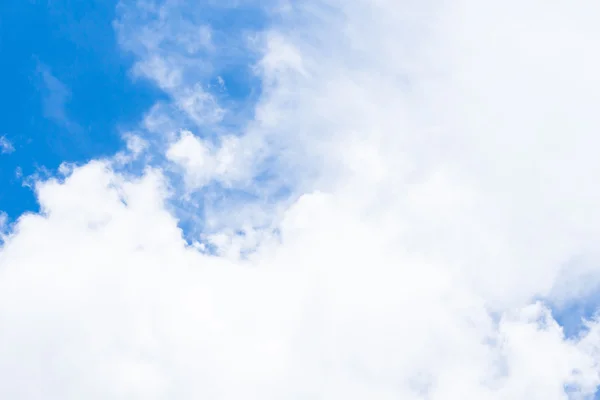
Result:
67,94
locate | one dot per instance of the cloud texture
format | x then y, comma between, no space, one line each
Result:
410,198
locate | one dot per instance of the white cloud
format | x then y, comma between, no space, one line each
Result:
201,106
6,146
442,172
173,45
127,310
201,162
135,147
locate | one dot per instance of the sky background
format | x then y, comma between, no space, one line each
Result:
326,199
67,91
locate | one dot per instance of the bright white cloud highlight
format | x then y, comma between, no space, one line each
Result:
441,167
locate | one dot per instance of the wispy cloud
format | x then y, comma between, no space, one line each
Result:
6,146
55,97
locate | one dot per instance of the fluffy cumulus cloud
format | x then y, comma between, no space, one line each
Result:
410,202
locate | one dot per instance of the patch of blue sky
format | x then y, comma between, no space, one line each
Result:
572,316
572,391
66,91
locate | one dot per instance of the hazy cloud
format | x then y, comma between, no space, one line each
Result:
6,147
55,97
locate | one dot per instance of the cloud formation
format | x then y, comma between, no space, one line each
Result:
55,95
6,146
438,169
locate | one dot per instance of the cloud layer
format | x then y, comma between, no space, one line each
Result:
411,197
